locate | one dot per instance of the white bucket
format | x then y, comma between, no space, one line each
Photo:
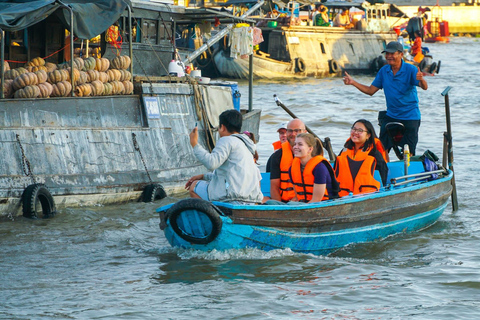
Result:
196,73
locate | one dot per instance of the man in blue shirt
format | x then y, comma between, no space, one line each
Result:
398,80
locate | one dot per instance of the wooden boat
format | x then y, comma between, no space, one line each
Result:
295,51
109,148
409,203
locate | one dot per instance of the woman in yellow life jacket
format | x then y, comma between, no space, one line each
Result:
311,174
356,164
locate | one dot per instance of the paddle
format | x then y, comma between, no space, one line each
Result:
325,144
448,137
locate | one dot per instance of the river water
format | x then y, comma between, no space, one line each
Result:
114,263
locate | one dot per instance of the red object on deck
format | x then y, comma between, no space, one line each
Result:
444,32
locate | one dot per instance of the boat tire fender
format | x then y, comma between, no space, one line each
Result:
204,59
153,192
438,66
333,65
300,64
422,65
208,209
433,68
380,62
34,195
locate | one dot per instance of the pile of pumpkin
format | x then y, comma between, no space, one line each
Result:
92,77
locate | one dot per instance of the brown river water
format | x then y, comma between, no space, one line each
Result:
114,263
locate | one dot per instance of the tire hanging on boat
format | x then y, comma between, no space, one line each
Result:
422,65
333,66
438,66
380,62
153,192
204,214
36,199
300,64
433,67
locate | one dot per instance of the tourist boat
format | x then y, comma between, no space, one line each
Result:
108,148
414,198
319,228
296,51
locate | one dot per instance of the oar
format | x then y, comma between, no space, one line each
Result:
327,145
450,148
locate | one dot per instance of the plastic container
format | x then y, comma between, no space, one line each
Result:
196,73
236,95
176,68
272,24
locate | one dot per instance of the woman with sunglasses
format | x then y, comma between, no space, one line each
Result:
356,164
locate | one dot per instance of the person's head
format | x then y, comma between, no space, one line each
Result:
362,134
252,137
394,53
344,12
307,146
231,120
417,34
294,127
282,132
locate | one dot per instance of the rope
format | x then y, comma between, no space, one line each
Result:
112,36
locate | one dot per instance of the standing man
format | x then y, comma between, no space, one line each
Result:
235,176
281,188
398,80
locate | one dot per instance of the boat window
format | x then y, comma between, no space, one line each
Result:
322,47
149,31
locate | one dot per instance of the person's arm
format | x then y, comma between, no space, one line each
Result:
381,166
370,90
318,192
275,175
218,156
422,83
194,178
275,189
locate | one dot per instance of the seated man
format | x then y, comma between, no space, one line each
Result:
235,176
281,189
282,136
343,20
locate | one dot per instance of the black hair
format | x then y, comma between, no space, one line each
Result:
370,141
232,120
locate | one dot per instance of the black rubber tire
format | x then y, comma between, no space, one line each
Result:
300,64
204,59
438,66
153,192
380,62
212,212
333,66
35,195
422,65
433,68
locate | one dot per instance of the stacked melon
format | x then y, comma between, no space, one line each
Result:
92,77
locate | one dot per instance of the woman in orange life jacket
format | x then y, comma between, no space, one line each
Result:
311,174
357,162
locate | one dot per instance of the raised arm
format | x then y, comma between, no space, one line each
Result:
422,82
370,90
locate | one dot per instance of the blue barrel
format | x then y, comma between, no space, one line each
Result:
235,92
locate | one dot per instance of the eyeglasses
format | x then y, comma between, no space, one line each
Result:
358,130
294,130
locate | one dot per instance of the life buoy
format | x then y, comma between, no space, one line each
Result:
438,66
333,65
37,202
422,64
300,64
153,192
433,67
196,211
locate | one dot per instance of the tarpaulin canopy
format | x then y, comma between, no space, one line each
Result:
91,18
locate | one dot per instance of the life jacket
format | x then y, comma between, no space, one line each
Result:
286,187
277,145
303,183
381,149
363,181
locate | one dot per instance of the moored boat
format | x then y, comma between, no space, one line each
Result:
76,147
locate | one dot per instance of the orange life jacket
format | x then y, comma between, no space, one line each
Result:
286,187
364,181
381,149
277,145
303,183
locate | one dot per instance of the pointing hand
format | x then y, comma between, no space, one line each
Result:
347,79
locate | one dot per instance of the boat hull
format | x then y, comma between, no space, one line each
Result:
324,227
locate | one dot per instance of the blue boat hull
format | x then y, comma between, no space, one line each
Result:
314,228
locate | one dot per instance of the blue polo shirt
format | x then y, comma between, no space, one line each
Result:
400,91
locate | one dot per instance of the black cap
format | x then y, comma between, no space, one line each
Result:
393,47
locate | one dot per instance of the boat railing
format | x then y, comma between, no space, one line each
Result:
415,177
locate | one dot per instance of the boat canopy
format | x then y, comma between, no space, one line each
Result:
91,17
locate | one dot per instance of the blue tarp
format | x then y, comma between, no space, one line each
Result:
91,18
